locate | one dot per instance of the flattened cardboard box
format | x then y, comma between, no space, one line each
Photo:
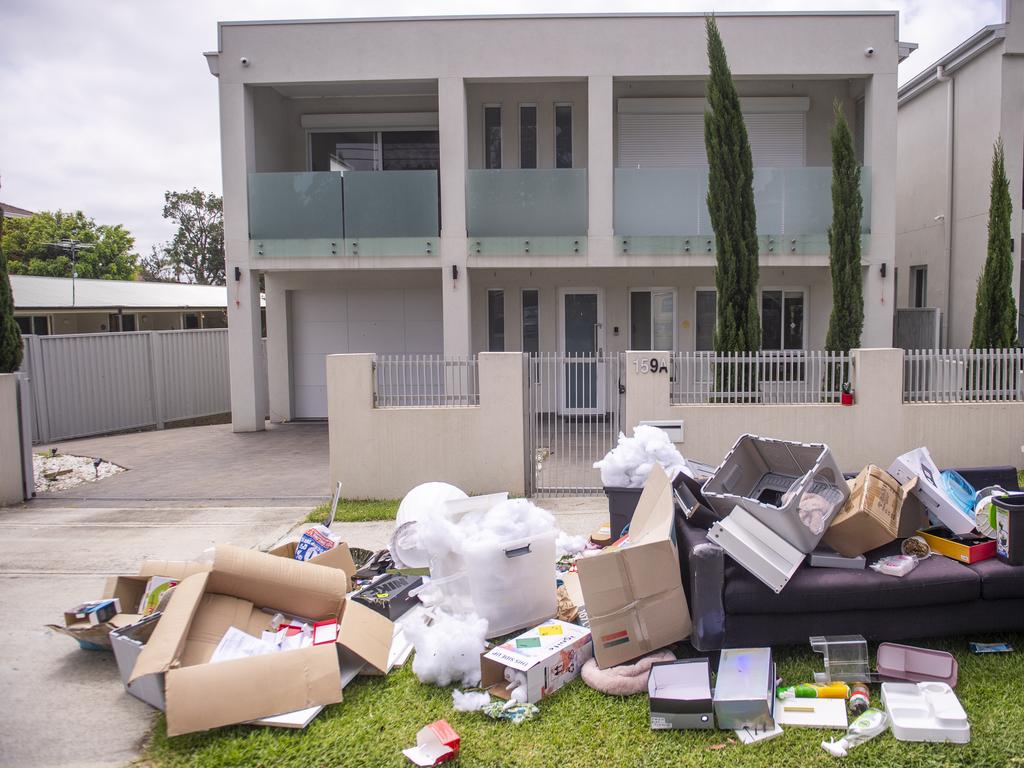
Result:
240,584
632,589
872,515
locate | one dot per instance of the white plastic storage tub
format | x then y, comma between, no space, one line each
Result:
512,583
774,480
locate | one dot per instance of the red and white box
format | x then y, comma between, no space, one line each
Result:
435,744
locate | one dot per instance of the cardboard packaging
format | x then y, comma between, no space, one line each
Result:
936,502
339,557
435,744
871,516
968,548
745,689
243,589
551,655
390,595
632,589
127,643
680,695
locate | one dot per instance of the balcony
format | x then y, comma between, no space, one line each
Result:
524,211
398,207
664,210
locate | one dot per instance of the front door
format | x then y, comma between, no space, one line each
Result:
582,385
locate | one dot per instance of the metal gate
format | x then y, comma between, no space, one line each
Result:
574,407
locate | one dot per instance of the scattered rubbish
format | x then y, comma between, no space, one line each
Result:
513,711
629,463
941,508
390,595
424,502
470,701
1009,525
860,698
315,541
155,589
95,612
835,690
744,695
925,712
895,565
845,658
959,491
865,727
632,589
823,557
536,663
435,744
567,544
448,648
964,547
990,647
339,556
757,735
917,665
984,510
625,679
567,610
602,537
767,556
680,695
916,547
870,518
127,643
812,713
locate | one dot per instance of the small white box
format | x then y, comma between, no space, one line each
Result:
550,655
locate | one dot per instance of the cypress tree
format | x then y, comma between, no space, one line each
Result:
995,311
10,335
731,206
847,319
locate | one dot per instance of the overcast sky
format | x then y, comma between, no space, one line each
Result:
104,104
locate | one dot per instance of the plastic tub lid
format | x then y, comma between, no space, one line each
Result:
918,665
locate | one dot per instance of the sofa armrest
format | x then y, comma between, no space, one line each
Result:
702,566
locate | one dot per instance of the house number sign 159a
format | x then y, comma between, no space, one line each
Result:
650,366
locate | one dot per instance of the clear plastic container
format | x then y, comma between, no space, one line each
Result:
845,657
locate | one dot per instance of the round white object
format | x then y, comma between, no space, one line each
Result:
983,510
425,498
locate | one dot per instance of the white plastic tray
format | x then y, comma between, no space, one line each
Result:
925,712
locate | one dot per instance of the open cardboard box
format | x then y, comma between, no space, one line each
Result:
873,515
338,557
632,589
243,589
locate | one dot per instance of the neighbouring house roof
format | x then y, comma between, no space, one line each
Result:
31,292
14,212
969,49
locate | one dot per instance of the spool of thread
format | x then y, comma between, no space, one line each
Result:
860,698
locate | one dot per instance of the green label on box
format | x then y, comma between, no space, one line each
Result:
528,642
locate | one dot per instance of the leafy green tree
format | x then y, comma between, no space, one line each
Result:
731,205
995,311
847,319
10,334
27,244
196,253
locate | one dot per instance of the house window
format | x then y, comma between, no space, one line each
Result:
116,322
353,151
375,151
527,136
919,286
563,135
782,319
492,137
705,320
652,319
190,321
34,324
531,321
495,321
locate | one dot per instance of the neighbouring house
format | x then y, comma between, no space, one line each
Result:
949,117
54,305
14,212
531,183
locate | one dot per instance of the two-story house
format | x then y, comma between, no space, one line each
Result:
534,183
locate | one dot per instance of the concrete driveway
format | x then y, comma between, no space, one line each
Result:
286,463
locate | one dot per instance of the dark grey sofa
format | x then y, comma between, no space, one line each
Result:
732,609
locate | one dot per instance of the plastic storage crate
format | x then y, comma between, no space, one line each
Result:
759,472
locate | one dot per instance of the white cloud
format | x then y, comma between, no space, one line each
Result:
107,104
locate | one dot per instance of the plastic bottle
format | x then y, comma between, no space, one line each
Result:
860,698
868,725
814,691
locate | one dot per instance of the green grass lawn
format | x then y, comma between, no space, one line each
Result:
580,727
356,510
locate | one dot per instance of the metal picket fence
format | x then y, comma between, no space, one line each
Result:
425,381
963,375
766,377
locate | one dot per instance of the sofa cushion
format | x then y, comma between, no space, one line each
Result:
999,580
936,581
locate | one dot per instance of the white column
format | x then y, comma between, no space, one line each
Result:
600,167
244,339
278,367
451,107
880,157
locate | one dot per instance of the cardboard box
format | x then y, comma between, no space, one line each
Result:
871,516
551,655
243,589
968,548
680,695
435,744
937,503
338,557
127,643
632,588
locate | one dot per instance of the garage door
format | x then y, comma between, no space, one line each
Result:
382,320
